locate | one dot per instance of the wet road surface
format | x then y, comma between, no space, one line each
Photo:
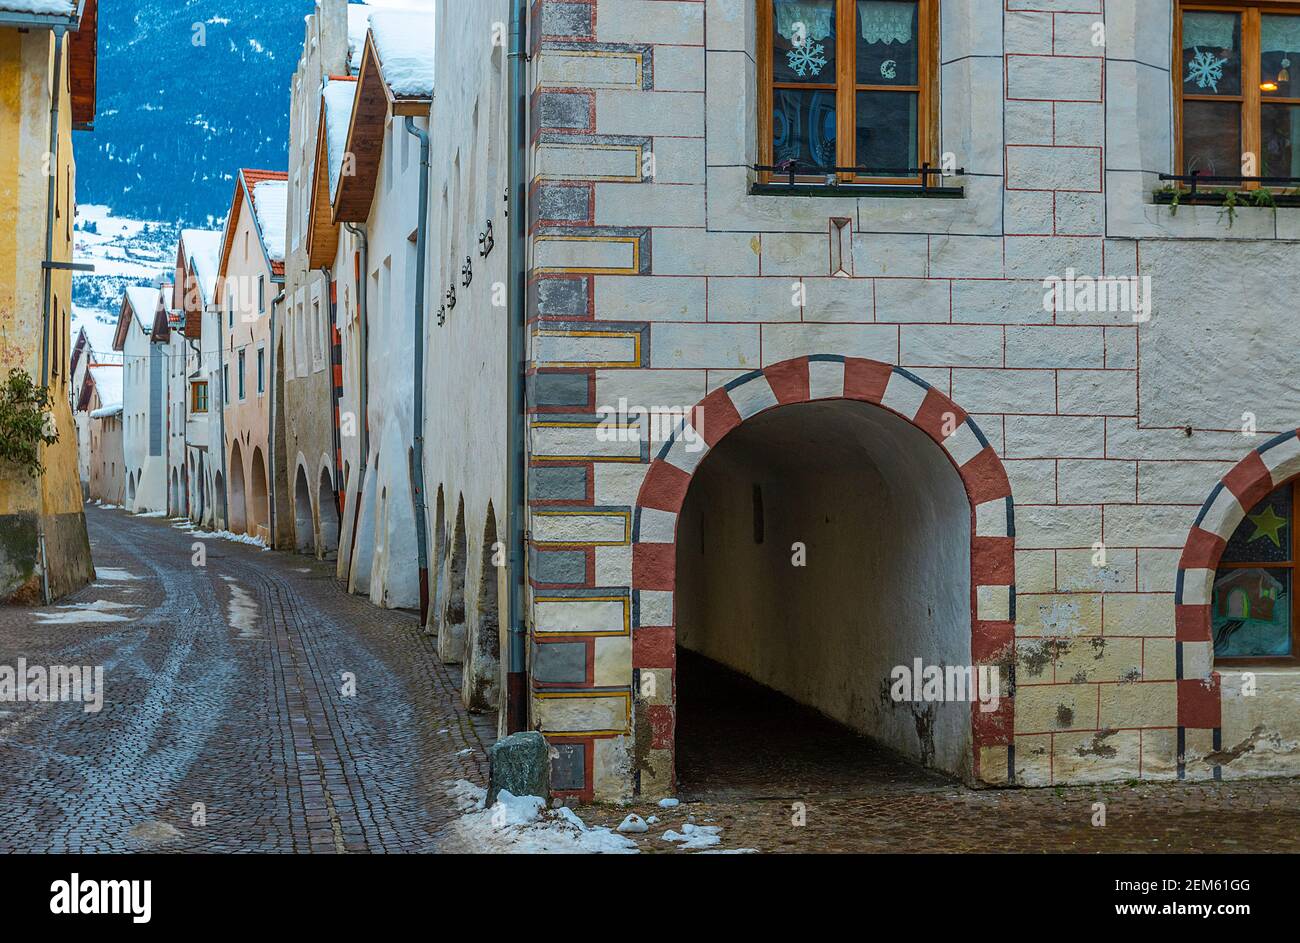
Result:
228,724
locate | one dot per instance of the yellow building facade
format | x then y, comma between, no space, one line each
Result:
47,78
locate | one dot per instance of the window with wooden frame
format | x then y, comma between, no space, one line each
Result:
1237,88
1253,615
847,89
199,397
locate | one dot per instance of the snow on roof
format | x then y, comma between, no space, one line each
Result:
204,247
339,97
404,41
271,204
57,7
144,299
108,383
358,25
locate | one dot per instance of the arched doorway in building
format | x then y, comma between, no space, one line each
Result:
260,508
238,511
304,540
328,503
174,496
835,526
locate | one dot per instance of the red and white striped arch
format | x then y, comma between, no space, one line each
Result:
807,379
1266,468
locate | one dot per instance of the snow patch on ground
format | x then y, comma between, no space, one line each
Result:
694,837
99,605
523,825
78,617
113,575
221,535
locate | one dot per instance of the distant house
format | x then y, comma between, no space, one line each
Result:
381,197
47,90
319,285
143,401
198,258
168,337
100,400
82,355
250,279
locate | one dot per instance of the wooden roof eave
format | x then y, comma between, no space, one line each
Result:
322,231
356,191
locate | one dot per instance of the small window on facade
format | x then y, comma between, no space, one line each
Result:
847,88
1252,608
261,370
1239,108
199,397
242,390
225,383
261,294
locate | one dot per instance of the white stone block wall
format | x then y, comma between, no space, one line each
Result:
659,277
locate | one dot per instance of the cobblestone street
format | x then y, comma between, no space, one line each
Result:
223,687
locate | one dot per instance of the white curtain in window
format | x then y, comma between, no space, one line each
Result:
1280,34
817,18
887,22
1209,30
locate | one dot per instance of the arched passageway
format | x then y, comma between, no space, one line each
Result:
819,546
328,504
827,537
303,528
260,508
238,512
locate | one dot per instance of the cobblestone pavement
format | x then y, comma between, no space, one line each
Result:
747,755
224,695
223,688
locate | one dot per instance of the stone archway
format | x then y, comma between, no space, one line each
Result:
237,511
303,526
1200,688
260,505
897,399
327,503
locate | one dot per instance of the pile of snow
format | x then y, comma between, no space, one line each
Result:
221,535
271,204
404,42
339,97
694,837
523,825
203,251
112,574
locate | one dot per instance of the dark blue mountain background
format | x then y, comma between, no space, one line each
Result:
176,119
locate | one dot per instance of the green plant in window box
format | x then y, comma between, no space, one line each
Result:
24,422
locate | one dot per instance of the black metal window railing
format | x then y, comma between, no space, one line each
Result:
795,174
1196,179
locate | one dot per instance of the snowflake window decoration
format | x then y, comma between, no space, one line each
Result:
1205,69
806,58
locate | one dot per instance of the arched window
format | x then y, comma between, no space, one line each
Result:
848,88
1253,613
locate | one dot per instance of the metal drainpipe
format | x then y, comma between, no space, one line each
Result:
417,454
516,346
363,383
52,195
221,399
279,300
335,460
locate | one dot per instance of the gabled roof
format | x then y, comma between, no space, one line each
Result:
106,379
247,190
327,169
140,303
82,343
198,257
375,98
165,318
